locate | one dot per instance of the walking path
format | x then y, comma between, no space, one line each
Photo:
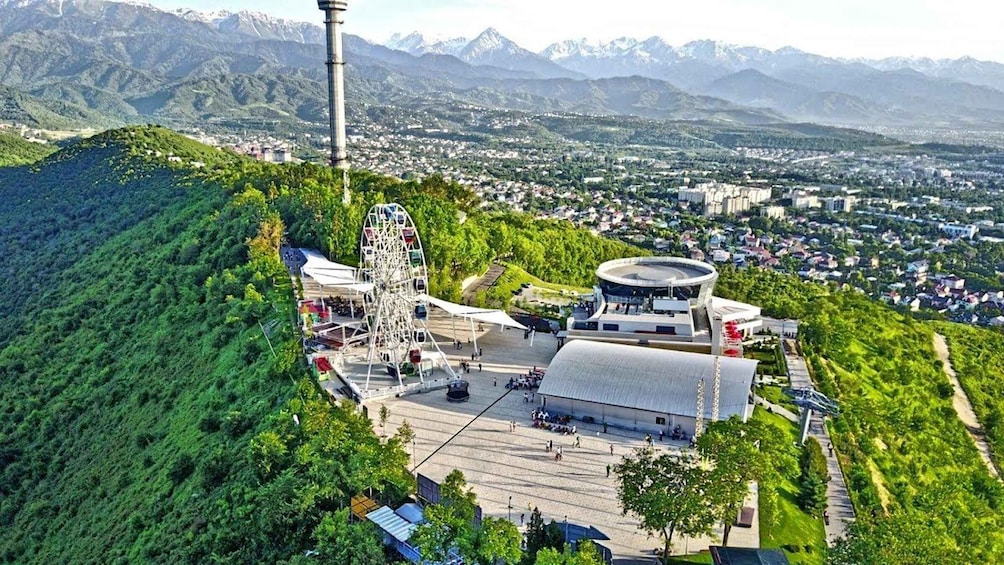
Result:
838,499
483,283
776,408
960,401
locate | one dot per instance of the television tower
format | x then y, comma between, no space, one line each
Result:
333,19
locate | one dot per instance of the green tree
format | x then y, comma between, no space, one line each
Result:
538,537
450,525
340,541
668,494
741,453
813,478
909,537
384,415
405,433
496,542
585,554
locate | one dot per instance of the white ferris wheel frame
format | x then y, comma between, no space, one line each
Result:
391,257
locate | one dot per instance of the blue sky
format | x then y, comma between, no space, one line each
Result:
844,28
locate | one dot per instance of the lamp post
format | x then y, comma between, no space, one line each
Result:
414,458
566,528
510,508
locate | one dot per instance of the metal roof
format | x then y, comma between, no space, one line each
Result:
411,512
389,521
644,378
657,272
731,310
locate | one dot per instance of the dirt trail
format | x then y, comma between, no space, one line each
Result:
963,407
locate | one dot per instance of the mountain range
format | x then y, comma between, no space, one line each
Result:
100,61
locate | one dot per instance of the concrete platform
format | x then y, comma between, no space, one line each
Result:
474,437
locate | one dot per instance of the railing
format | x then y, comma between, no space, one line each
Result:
401,390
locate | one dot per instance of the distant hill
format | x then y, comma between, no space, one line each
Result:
134,62
129,62
753,88
15,150
891,91
47,113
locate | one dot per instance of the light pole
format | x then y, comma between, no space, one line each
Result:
566,528
510,508
414,458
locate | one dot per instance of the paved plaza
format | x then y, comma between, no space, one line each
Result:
475,437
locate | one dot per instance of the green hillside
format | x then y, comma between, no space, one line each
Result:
915,477
142,415
16,106
15,150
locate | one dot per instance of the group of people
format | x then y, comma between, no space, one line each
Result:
341,307
465,367
542,419
524,382
549,448
528,381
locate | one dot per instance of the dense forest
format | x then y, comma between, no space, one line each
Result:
144,417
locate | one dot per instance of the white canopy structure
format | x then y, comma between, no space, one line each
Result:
329,273
497,317
472,314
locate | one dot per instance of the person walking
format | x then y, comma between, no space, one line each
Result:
611,449
830,446
479,367
495,380
521,516
526,397
608,469
578,441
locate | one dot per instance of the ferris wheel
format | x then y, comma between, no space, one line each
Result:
392,260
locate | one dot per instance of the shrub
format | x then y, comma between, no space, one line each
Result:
181,469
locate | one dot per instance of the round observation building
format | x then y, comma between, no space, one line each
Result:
636,279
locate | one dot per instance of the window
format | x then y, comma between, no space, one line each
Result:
671,330
611,327
659,420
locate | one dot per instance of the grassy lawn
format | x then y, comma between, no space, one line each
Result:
702,557
794,528
775,394
501,293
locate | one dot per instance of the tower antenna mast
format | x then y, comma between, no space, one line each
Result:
334,19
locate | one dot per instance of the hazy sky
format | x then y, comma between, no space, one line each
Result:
843,28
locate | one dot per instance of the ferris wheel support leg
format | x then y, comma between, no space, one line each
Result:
397,367
435,344
474,336
373,346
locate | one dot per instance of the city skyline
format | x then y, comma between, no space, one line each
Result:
852,29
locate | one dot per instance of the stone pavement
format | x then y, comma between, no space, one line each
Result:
838,499
504,466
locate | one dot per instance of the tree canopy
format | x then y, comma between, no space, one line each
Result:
450,526
668,494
